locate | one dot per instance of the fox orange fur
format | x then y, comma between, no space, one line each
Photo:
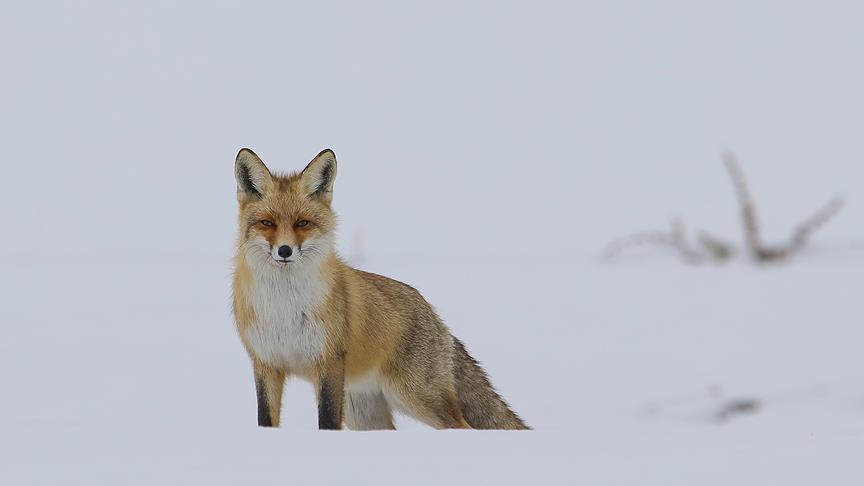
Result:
367,343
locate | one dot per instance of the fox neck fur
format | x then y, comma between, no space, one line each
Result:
286,331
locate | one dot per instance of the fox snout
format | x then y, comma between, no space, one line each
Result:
282,253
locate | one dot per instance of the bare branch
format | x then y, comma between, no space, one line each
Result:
718,249
713,249
679,238
801,235
675,238
748,210
644,238
733,408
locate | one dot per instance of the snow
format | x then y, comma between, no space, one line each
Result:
486,156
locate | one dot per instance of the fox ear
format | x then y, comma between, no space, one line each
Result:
251,173
317,178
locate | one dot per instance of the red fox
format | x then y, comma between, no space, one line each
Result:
368,344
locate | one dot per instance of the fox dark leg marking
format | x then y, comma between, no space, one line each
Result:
264,418
331,393
268,391
328,414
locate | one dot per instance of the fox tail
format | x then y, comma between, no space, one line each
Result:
481,405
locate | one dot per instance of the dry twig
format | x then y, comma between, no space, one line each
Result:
800,237
713,249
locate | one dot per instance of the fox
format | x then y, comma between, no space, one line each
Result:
368,344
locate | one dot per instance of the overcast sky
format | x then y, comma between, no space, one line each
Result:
457,125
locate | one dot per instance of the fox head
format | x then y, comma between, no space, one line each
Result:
285,220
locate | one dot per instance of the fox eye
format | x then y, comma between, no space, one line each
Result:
302,223
267,223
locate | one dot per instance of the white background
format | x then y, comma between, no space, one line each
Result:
487,153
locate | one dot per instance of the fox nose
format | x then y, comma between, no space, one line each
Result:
284,251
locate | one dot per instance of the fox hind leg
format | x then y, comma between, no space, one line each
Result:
436,406
368,411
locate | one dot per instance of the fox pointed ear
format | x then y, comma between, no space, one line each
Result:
317,178
252,175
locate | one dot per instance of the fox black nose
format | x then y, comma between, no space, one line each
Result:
284,251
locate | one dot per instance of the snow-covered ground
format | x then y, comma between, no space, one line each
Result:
487,154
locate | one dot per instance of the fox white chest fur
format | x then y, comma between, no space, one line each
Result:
285,332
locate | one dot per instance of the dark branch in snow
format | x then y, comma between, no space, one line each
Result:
733,408
710,248
800,237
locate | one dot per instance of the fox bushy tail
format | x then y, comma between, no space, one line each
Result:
481,405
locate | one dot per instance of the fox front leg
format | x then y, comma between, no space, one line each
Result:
331,393
268,390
